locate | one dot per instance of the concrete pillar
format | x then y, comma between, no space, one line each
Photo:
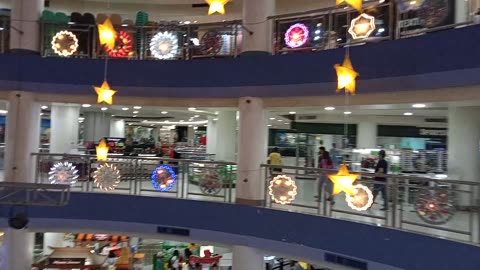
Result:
212,135
23,137
252,151
367,135
64,128
52,240
255,15
25,27
17,250
226,136
463,146
247,258
117,128
97,125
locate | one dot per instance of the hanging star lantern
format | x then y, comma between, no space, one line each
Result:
216,6
356,4
346,76
102,151
105,93
343,181
362,26
107,34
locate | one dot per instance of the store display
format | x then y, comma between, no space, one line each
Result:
105,93
435,206
164,45
361,198
296,35
210,182
102,151
208,259
163,178
107,177
63,173
282,189
211,43
343,181
64,43
362,26
356,4
346,75
107,34
123,46
216,6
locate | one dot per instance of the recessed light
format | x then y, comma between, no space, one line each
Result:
190,125
135,112
192,109
419,105
86,105
286,123
196,115
125,109
166,121
292,112
104,108
187,22
215,119
124,24
280,120
137,107
81,118
408,114
113,115
3,111
152,125
44,107
347,113
164,112
135,115
144,121
41,114
195,21
216,113
182,120
272,118
329,108
269,125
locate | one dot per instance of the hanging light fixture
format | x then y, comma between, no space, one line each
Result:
102,151
356,4
362,26
346,75
105,93
216,6
107,34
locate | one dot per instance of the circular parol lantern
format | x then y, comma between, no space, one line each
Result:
296,35
362,26
164,45
63,173
435,206
163,178
123,46
361,198
64,43
211,43
107,177
282,189
210,182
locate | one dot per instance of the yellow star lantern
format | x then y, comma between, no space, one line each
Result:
356,4
343,181
216,6
102,151
107,34
346,76
105,93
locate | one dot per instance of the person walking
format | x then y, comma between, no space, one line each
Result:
275,158
381,169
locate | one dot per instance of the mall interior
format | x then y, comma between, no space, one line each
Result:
239,134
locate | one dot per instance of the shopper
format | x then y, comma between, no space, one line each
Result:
111,260
321,150
187,254
380,171
334,155
326,163
275,158
175,261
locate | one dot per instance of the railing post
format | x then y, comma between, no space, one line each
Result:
394,191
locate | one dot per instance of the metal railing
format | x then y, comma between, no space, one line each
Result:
408,197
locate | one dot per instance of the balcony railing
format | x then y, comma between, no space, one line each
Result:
436,207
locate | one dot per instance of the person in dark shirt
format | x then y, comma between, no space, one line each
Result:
380,170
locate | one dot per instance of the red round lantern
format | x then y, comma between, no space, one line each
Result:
123,46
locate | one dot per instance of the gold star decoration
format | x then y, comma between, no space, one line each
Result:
362,26
216,6
107,34
343,181
105,93
356,4
346,76
102,151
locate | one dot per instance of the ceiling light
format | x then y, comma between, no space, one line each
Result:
419,105
280,120
329,108
81,118
195,128
164,112
137,107
152,125
104,108
3,111
44,107
216,113
124,24
272,118
195,21
196,115
269,125
113,115
135,115
144,121
86,105
166,121
286,123
190,125
41,114
135,112
292,112
347,113
125,109
215,119
187,22
408,114
192,109
182,120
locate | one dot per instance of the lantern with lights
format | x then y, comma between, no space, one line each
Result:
123,46
210,182
346,76
282,189
163,178
63,173
435,207
296,35
361,198
216,6
105,93
107,177
102,151
164,45
64,43
362,26
107,34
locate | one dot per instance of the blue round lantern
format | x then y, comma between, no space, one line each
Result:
163,178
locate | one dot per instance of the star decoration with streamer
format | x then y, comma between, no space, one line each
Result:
105,93
216,6
102,151
107,34
356,4
343,181
346,76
